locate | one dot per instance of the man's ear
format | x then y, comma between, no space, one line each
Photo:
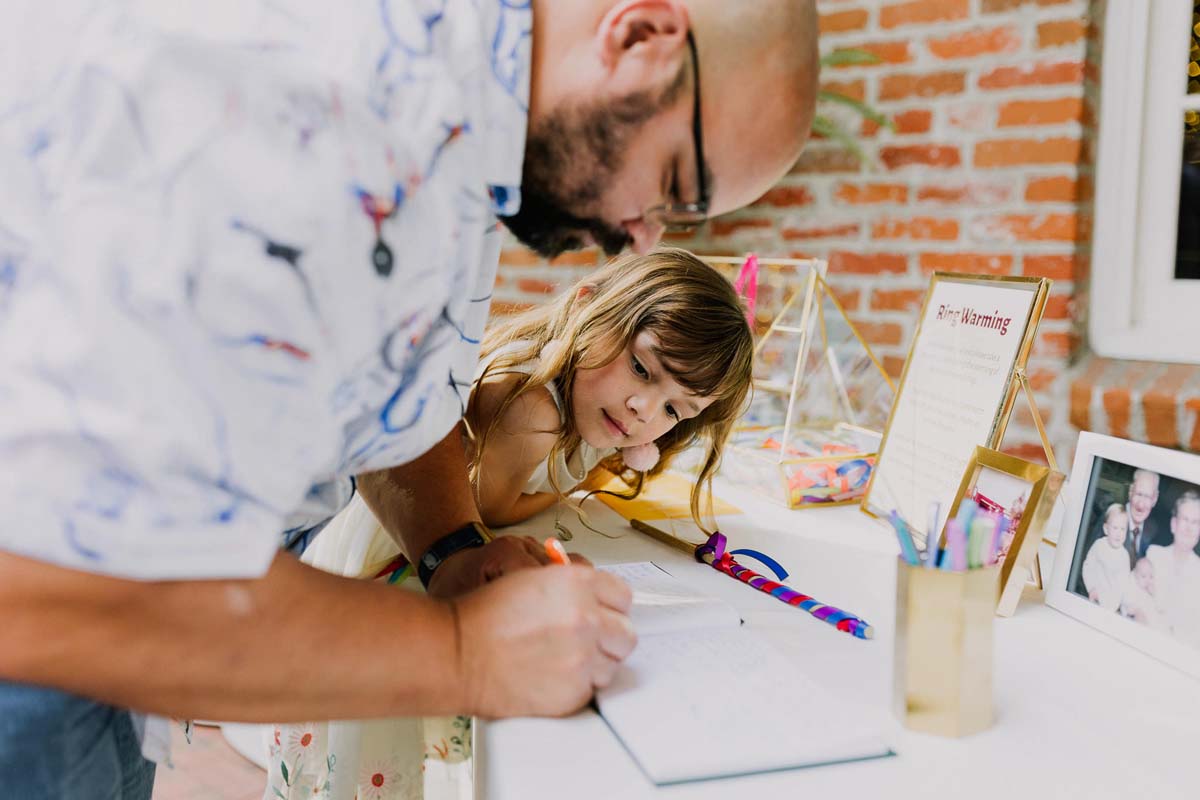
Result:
585,291
642,43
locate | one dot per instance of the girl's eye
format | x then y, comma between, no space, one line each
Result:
639,369
671,410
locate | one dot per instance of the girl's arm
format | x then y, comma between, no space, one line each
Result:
513,449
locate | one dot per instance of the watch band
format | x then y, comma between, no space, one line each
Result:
473,534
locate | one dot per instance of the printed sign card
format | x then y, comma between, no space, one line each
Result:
956,391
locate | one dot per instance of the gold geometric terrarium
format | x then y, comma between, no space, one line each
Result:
821,398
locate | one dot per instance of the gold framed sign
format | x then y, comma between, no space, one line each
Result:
961,378
1023,494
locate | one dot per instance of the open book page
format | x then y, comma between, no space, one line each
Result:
662,603
720,702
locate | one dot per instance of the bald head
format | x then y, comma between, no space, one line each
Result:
613,140
759,71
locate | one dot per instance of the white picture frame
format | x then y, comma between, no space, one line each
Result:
1103,463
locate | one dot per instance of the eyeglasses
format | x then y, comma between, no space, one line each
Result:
679,217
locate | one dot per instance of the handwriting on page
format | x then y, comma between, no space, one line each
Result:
673,706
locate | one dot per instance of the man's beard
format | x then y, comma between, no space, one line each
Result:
571,159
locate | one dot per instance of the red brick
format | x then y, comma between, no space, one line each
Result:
929,155
920,12
1042,379
1016,152
519,257
1118,404
852,19
501,308
867,263
932,84
1000,6
1158,411
1023,417
577,258
884,52
1058,306
535,286
1081,405
1054,344
787,196
853,89
867,193
1059,268
965,193
1058,32
847,298
1056,189
912,121
1029,451
728,227
1030,227
918,228
839,231
1040,112
825,160
1193,405
885,333
969,263
975,43
1041,74
893,365
896,299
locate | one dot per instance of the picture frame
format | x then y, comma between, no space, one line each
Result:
957,391
1157,608
1022,491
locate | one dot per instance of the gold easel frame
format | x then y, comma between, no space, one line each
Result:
1044,485
1017,382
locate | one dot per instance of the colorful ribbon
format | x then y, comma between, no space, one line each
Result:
746,285
713,553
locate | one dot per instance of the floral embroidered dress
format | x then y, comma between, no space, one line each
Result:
247,249
378,759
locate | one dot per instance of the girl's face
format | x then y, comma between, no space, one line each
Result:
1114,528
632,399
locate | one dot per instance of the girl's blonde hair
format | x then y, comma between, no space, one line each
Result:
703,341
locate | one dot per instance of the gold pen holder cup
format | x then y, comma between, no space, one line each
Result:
943,667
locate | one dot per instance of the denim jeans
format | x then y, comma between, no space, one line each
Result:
56,746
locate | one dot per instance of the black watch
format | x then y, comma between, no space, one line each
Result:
473,534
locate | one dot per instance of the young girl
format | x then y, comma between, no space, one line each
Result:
636,362
640,360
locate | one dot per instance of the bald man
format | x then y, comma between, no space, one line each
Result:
246,256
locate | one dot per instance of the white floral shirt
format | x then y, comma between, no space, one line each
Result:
246,251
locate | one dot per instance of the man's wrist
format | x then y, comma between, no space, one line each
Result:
468,537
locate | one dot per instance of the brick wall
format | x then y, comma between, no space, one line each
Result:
988,171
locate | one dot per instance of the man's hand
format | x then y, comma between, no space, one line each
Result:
539,642
470,569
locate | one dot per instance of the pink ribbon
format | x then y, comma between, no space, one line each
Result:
747,285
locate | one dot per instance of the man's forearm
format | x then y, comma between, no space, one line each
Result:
295,644
419,502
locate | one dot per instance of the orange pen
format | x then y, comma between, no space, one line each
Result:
555,550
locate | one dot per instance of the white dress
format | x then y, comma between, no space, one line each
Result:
1105,572
413,758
